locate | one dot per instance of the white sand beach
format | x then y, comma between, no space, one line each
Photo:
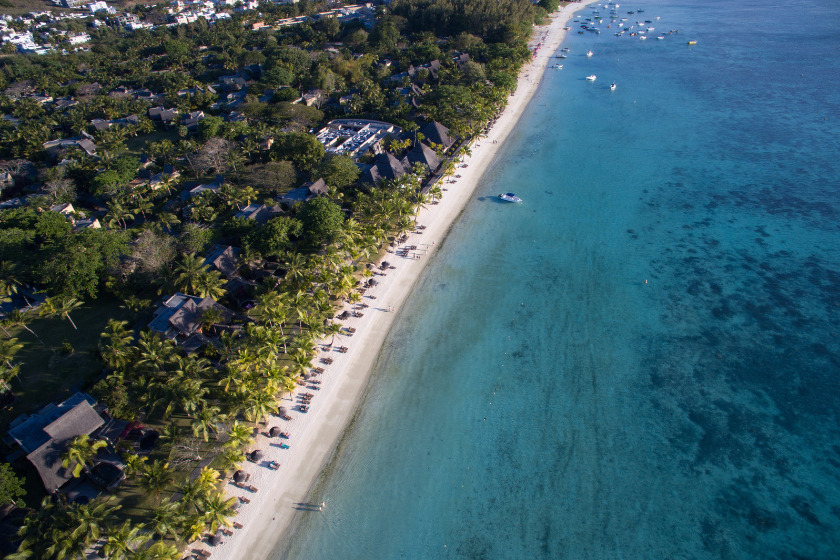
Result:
314,434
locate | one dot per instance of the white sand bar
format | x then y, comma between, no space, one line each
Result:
314,434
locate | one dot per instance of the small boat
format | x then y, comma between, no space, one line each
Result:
558,66
589,53
692,43
561,56
509,197
661,37
612,86
592,78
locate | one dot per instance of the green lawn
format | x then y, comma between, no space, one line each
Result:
137,144
48,372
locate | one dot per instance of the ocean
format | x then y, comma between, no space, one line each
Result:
642,359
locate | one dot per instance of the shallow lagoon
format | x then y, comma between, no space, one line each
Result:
642,359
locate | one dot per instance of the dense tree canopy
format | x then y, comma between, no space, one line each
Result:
322,221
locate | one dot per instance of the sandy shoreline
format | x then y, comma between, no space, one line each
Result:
314,434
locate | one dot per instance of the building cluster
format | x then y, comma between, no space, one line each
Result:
36,32
44,436
357,137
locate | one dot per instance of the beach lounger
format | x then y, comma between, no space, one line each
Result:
238,525
274,465
252,488
244,500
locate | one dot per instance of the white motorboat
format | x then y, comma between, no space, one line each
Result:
592,78
509,197
612,86
558,66
589,53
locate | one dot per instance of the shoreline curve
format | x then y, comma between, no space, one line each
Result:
315,435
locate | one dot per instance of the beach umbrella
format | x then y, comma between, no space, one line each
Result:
344,315
282,411
274,431
256,455
239,476
215,539
385,264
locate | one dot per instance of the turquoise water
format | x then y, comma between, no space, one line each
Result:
642,359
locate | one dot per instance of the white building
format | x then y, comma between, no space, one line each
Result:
97,6
78,38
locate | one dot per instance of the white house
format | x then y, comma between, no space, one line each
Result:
78,38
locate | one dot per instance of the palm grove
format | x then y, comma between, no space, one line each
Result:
206,403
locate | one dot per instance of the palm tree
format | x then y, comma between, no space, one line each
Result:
123,540
232,458
158,551
167,220
80,452
56,530
204,422
154,351
259,404
301,360
421,202
167,520
239,435
207,479
156,477
296,269
142,206
62,307
218,510
209,283
8,350
134,464
188,271
335,330
118,351
117,214
193,527
8,279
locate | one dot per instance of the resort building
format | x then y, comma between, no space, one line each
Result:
355,137
437,133
44,435
304,193
181,319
